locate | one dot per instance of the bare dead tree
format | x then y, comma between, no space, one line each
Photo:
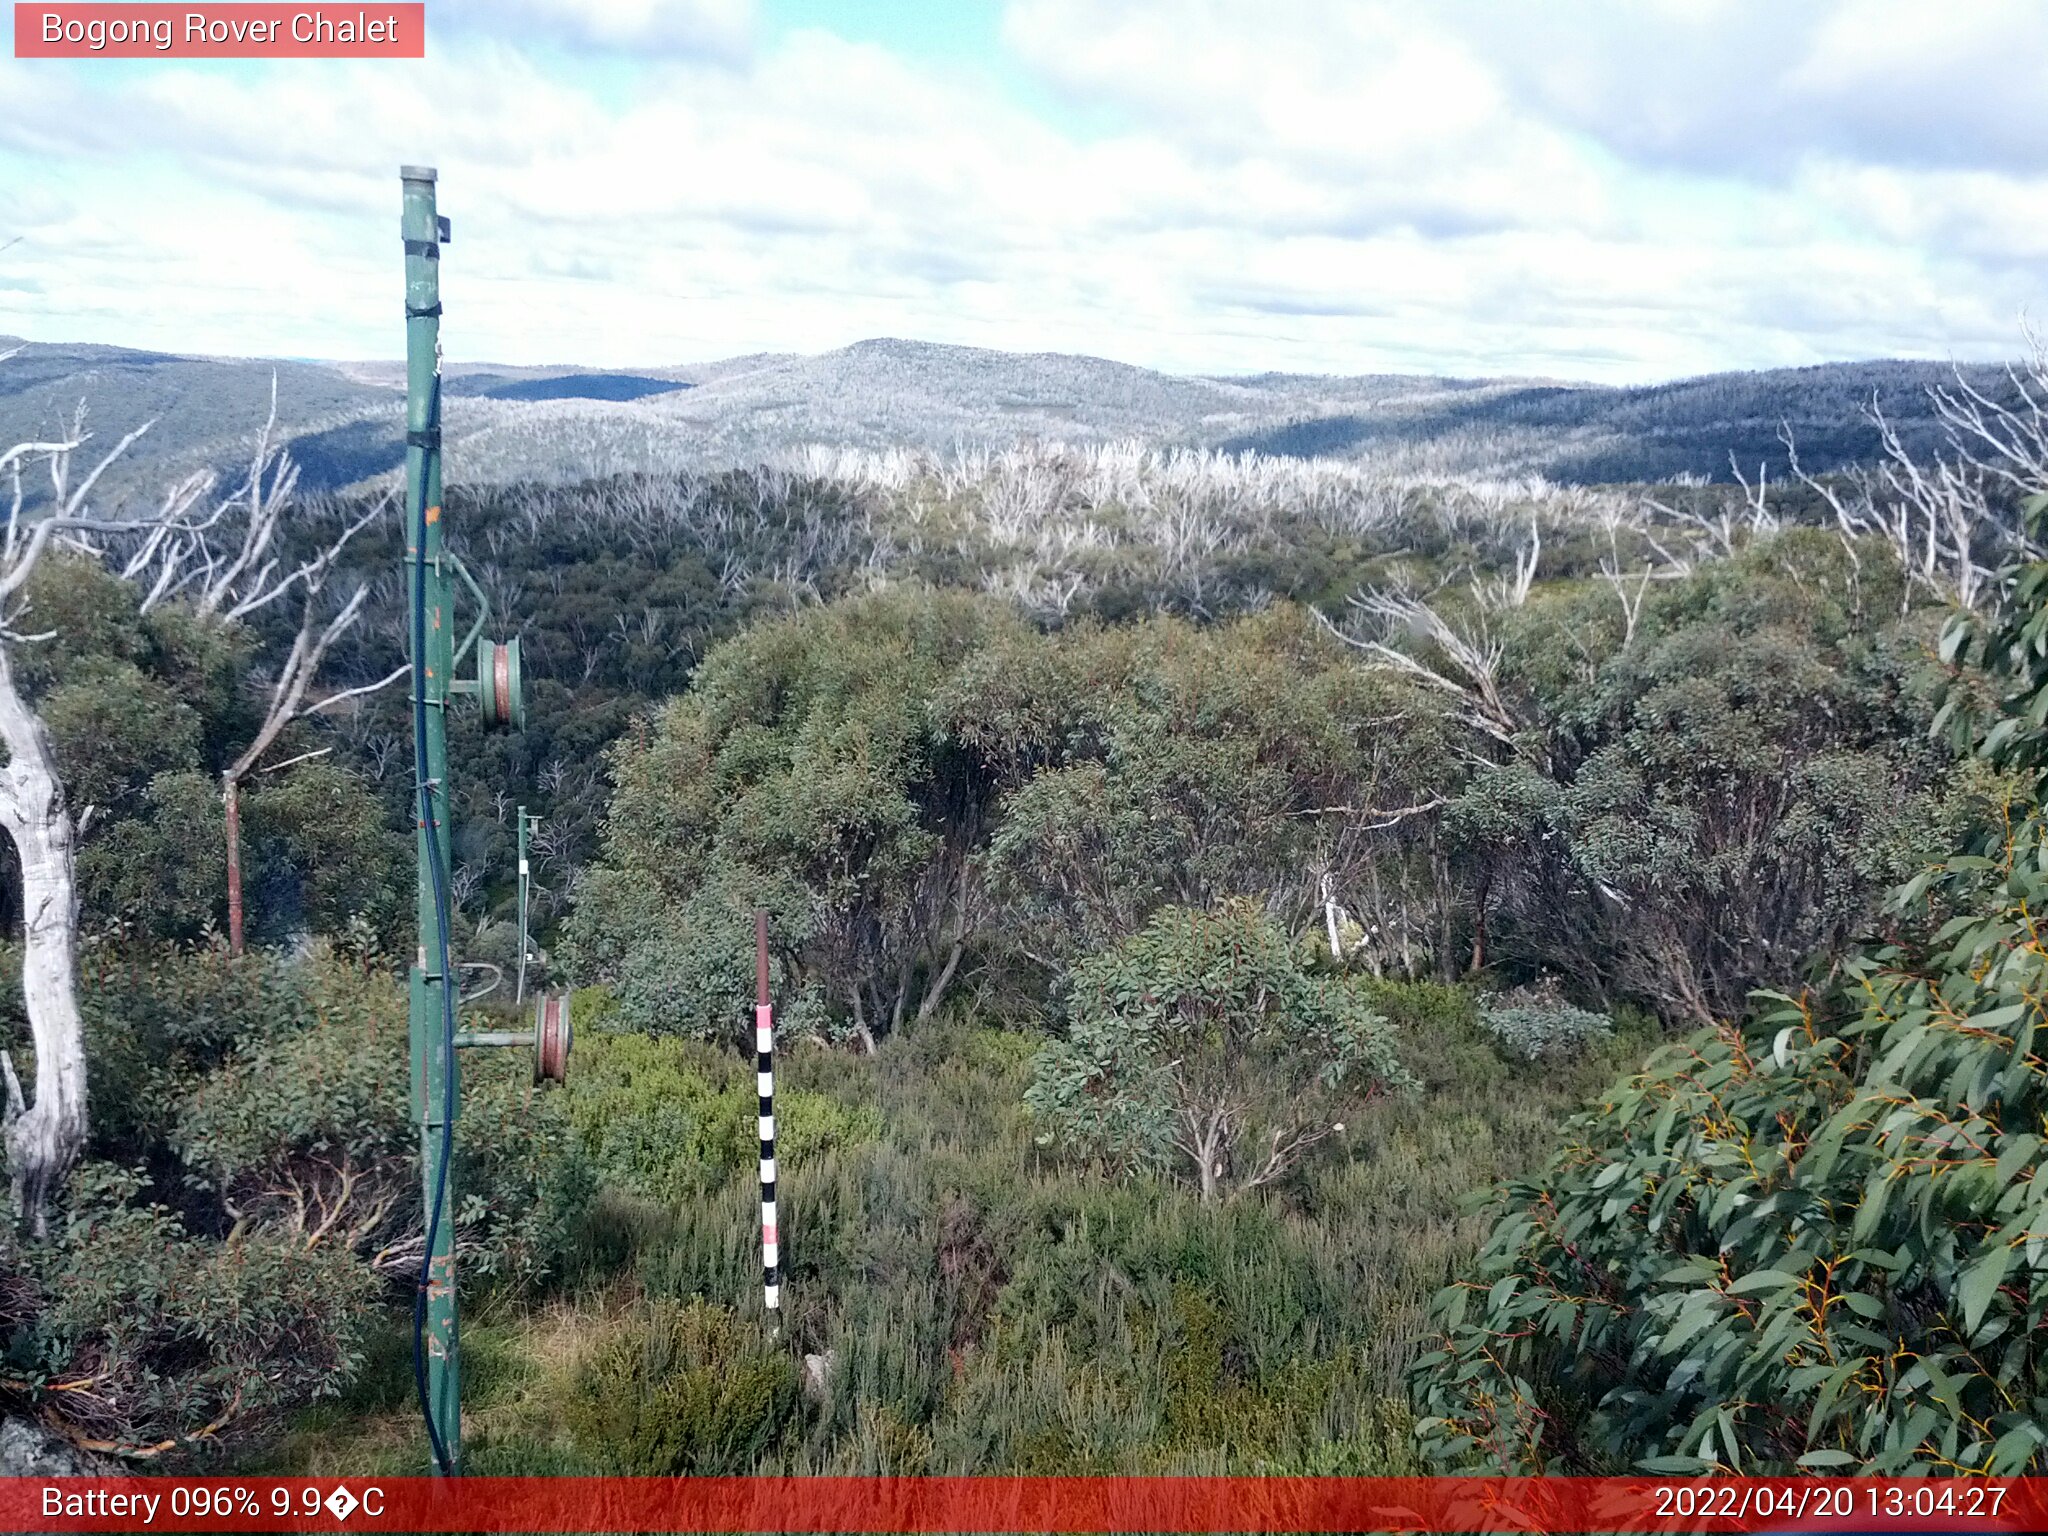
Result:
1470,673
467,884
1945,517
551,843
1505,591
227,565
1757,499
1629,589
2006,442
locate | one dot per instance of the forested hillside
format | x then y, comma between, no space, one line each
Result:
511,427
1192,879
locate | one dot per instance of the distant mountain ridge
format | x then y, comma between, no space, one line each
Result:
565,422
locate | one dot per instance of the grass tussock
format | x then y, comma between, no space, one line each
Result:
959,1299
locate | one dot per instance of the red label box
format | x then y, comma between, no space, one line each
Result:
371,30
893,1506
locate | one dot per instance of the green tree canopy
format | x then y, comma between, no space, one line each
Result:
911,781
1816,1239
1200,1045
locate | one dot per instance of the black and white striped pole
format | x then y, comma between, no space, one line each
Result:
764,1071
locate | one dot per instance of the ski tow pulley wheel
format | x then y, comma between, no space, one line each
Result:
499,686
552,1034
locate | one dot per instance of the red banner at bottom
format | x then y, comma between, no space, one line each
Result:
993,1504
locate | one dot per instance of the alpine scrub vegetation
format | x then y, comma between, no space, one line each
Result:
1186,845
1816,1240
1537,1024
1200,1042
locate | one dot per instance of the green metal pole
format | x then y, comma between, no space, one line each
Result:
433,1065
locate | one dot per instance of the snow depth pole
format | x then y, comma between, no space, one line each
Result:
436,1363
764,1069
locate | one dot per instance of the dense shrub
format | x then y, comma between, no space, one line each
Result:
1200,1041
1693,809
667,1118
144,711
1673,812
686,1389
303,1129
525,1182
1815,1242
1174,765
809,771
144,1335
683,965
321,854
280,1085
922,789
1535,1023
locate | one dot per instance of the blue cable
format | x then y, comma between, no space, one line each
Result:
441,925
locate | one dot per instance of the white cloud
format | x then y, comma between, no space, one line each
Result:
708,28
1370,109
1630,191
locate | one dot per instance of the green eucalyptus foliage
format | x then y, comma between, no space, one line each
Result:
1183,766
807,771
162,871
278,1089
1685,810
148,1335
323,854
1536,1023
1200,1045
682,964
1997,699
908,776
1693,810
1815,1240
116,726
144,711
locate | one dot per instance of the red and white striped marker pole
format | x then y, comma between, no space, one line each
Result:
764,1080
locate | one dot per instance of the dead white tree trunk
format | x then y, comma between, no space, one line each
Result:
1472,655
168,554
45,1138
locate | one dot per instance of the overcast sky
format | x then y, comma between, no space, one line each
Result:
1622,191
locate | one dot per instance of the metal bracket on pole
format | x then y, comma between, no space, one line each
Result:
483,612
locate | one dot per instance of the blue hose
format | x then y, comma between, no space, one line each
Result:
425,789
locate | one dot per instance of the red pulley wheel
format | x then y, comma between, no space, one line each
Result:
501,684
552,1033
